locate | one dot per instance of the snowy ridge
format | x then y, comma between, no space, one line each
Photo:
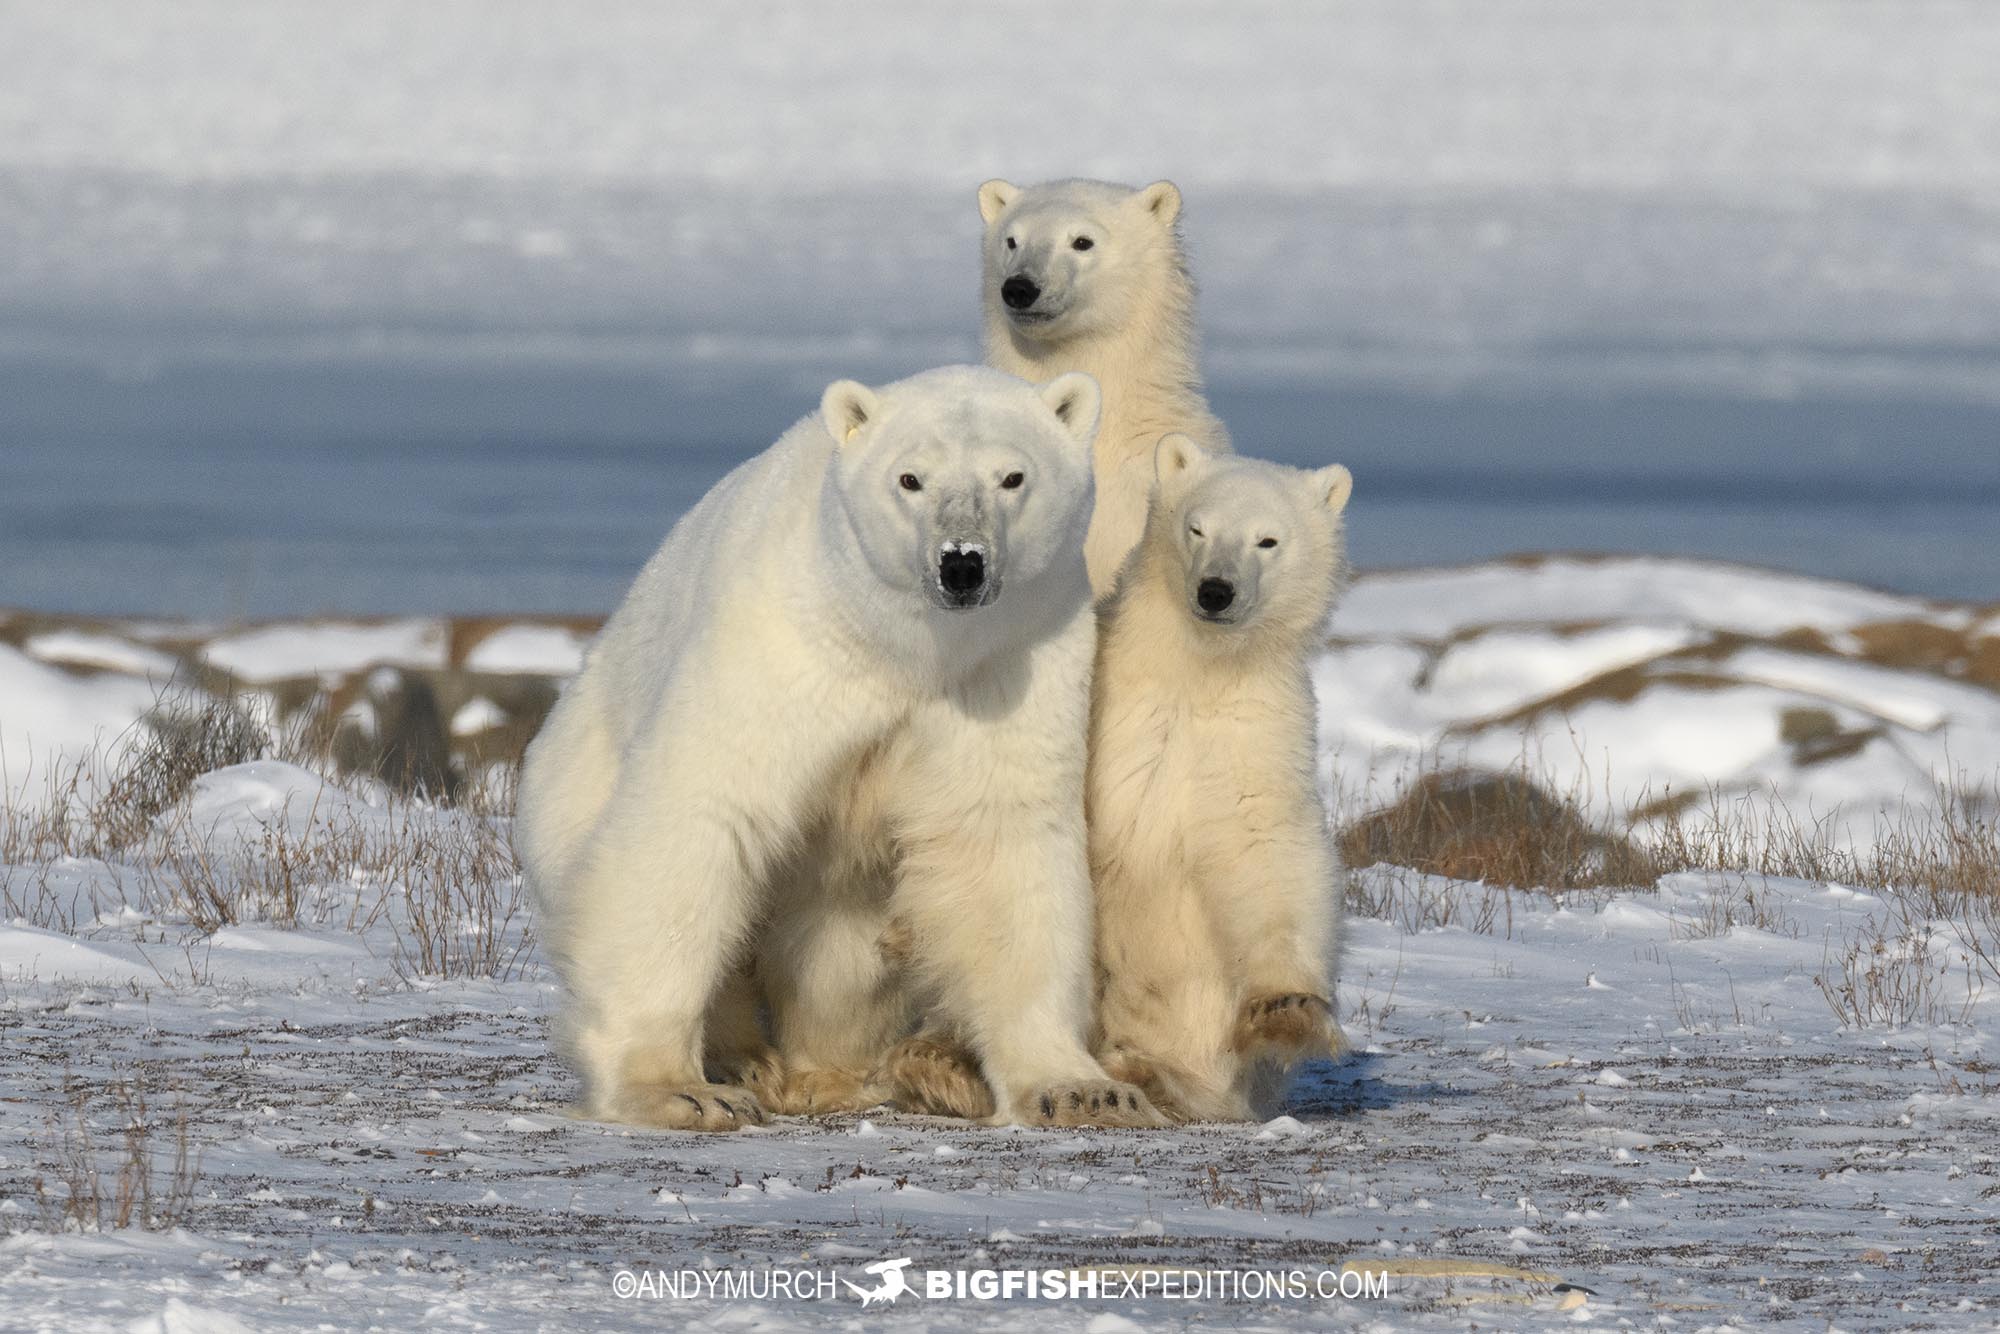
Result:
1640,683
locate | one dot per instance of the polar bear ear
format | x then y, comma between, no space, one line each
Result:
1334,485
846,407
1076,400
994,196
1176,457
1162,199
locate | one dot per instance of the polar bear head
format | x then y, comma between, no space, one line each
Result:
1080,259
957,482
1252,550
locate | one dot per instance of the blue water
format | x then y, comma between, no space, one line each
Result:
254,492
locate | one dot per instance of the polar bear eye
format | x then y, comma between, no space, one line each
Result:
1196,531
1012,481
1268,542
908,481
1082,243
1012,244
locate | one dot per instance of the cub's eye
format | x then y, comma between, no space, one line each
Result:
1082,243
1012,244
1268,542
1012,481
1196,531
908,481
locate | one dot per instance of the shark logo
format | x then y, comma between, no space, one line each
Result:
894,1285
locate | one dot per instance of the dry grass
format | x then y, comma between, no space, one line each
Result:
134,1181
185,736
441,874
1892,975
1499,829
1479,839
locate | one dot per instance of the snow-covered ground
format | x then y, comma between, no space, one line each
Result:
1614,1092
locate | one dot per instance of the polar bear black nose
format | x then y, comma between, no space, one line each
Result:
1215,594
961,572
1019,293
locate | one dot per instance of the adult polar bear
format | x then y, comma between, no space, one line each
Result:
896,584
1086,276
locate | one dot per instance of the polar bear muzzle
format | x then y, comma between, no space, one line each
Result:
962,576
1020,292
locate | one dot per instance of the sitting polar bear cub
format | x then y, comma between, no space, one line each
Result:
898,584
1217,907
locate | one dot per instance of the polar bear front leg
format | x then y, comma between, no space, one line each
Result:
1276,903
659,914
665,899
996,889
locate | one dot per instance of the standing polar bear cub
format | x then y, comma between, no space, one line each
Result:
896,585
1085,276
1217,908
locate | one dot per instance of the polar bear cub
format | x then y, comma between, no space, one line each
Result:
900,575
1217,905
1085,276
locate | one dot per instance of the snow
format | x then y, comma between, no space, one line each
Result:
272,653
548,650
248,798
1646,1093
28,953
475,716
1622,681
75,648
46,713
1433,604
1607,1093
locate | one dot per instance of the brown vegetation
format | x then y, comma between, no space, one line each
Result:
1499,829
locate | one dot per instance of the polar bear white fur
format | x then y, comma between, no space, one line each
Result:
1218,909
896,585
1085,276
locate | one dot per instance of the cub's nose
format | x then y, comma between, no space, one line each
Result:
1019,293
1215,595
962,573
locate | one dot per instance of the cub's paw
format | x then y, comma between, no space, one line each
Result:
688,1106
1293,1022
825,1092
935,1078
1090,1102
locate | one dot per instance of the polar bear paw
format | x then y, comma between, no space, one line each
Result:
1293,1023
824,1092
1129,1067
937,1079
761,1072
1089,1102
688,1106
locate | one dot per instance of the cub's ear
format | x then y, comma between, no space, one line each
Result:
1162,199
1334,485
1076,400
1176,458
846,407
994,196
